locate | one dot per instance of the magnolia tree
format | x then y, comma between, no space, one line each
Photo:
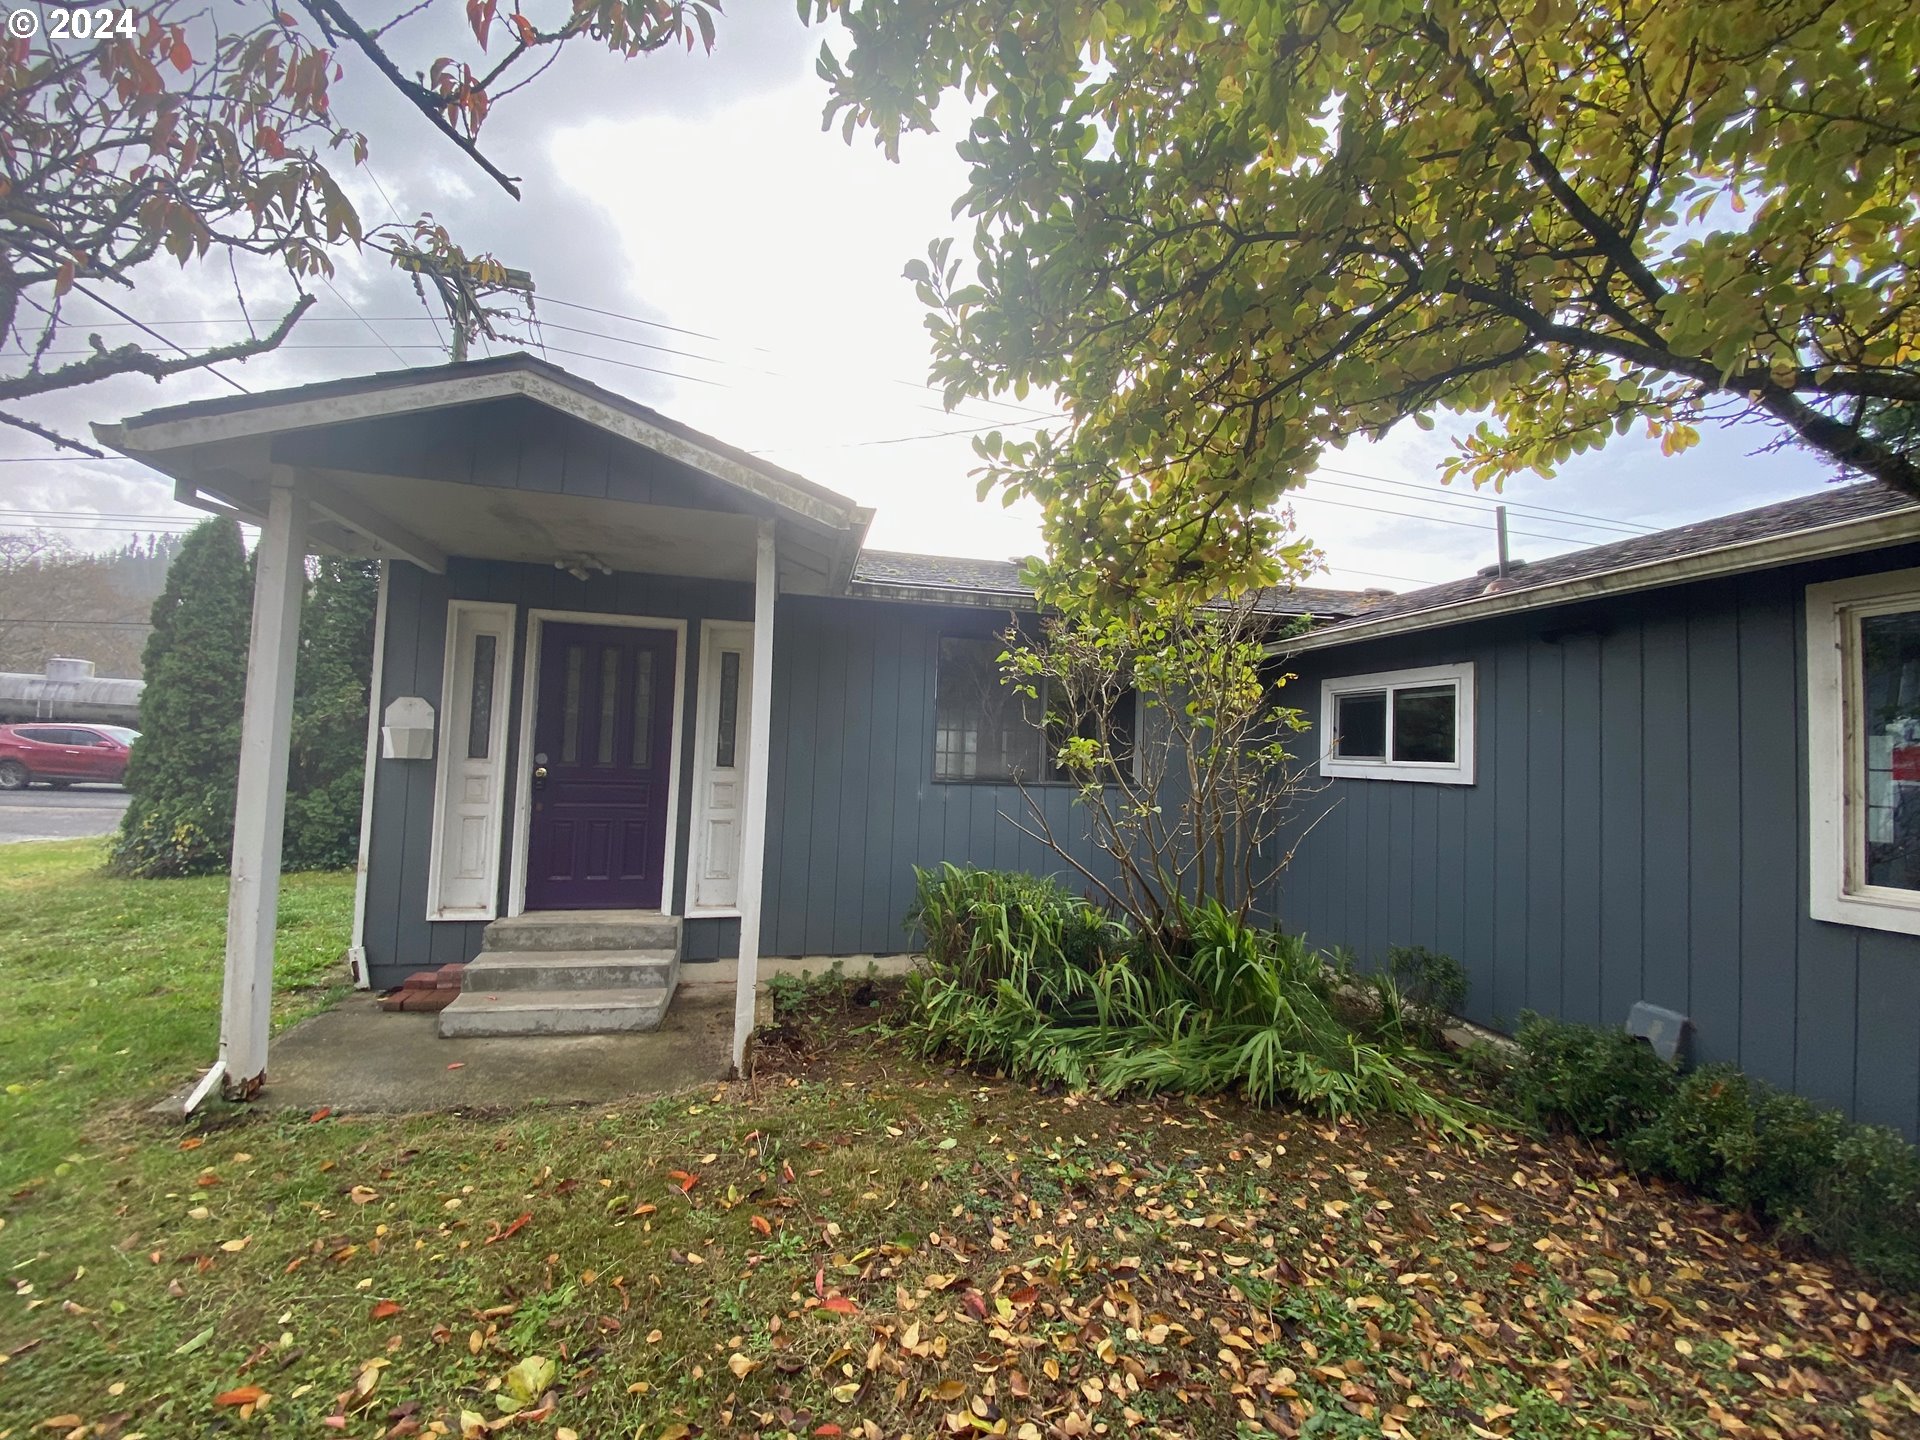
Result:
193,132
1186,788
1228,236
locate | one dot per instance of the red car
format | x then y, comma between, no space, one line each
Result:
63,754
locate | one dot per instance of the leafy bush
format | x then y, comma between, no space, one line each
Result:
1844,1188
1854,1189
1413,997
1433,982
1024,977
1595,1082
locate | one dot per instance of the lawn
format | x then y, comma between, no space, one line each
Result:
113,987
854,1244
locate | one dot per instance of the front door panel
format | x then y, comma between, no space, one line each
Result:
603,733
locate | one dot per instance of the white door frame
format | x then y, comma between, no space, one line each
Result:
734,634
455,684
523,790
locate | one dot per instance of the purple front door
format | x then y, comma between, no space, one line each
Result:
603,735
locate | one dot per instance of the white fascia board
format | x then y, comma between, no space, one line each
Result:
1840,538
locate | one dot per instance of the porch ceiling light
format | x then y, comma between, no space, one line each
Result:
581,566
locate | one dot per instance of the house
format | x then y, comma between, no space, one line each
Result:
645,700
637,693
1682,768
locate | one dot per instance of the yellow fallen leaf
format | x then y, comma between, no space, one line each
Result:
234,1247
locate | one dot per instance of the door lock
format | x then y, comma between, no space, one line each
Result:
540,777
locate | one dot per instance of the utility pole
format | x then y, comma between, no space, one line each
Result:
465,289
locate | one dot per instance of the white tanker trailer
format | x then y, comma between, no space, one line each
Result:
69,691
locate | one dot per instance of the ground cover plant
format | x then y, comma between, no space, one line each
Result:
113,988
865,1244
1027,978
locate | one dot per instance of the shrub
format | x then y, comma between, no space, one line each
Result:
1595,1082
1024,977
185,764
1847,1188
1436,983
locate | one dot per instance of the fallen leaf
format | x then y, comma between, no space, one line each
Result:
385,1310
245,1395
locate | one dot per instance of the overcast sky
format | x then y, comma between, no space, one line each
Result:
757,261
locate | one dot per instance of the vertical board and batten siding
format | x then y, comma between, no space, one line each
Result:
399,938
1637,829
852,805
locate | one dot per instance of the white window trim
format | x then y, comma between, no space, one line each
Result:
537,620
496,619
1458,772
1836,778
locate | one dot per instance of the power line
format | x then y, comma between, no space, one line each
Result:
366,322
1443,520
1457,501
1464,499
142,325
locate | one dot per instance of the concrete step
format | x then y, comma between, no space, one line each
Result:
502,970
554,1012
573,930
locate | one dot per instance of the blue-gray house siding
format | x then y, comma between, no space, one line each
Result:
852,803
1637,829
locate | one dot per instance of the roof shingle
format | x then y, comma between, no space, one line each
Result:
955,576
1833,506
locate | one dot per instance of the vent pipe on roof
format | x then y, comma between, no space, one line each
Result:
1500,524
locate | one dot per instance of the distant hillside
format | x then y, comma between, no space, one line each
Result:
55,600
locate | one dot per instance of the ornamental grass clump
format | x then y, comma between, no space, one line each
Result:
1023,977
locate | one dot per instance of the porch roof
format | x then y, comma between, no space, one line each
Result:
391,462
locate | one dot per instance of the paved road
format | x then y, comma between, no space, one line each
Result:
43,814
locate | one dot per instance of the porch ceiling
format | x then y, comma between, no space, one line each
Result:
492,524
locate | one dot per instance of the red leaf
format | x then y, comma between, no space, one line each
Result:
386,1310
320,1114
763,1225
683,1179
245,1395
180,56
839,1304
828,1429
511,1230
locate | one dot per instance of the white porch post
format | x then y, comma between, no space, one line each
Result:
753,836
260,803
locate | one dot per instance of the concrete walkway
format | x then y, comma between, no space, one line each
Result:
357,1057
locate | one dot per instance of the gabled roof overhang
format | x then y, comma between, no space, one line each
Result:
220,453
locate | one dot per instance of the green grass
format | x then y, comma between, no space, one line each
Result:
111,987
867,1245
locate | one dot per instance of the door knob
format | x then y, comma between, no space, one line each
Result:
540,777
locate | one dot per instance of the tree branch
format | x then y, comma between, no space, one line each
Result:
332,15
131,359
